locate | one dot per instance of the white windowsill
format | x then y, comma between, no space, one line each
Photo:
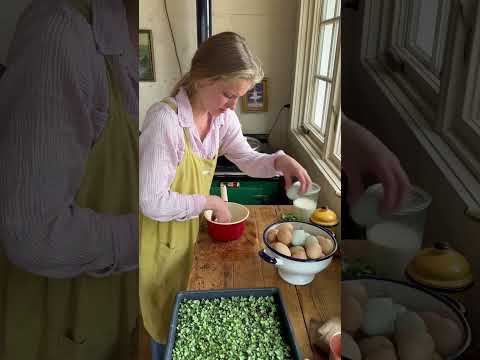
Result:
332,178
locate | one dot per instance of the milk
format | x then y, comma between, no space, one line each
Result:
304,208
391,246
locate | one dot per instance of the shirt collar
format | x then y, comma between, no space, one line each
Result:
110,26
185,114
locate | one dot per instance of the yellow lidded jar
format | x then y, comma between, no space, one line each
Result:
441,268
325,217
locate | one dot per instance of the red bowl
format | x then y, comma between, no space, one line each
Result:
228,231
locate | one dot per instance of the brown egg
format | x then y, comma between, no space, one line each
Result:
314,251
374,343
383,354
272,236
298,252
445,332
355,289
352,314
349,347
286,226
281,248
326,244
284,236
417,346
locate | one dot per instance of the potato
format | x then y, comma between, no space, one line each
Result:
355,289
281,248
284,236
349,347
286,226
445,332
414,346
352,314
298,252
314,251
373,344
272,236
378,317
326,244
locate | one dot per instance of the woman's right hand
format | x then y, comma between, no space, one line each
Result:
221,213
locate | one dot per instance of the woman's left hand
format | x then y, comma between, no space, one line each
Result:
290,168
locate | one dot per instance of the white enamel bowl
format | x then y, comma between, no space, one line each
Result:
418,299
292,270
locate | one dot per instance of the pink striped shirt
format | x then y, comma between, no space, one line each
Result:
162,148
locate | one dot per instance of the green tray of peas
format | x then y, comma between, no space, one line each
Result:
229,324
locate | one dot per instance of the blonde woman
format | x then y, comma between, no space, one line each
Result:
182,137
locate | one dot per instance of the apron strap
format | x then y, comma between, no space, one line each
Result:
83,7
170,103
174,107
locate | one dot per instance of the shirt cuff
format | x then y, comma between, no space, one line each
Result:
124,236
199,202
274,158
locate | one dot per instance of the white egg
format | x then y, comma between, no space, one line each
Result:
378,318
397,310
298,238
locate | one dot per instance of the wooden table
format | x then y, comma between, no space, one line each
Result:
236,264
355,250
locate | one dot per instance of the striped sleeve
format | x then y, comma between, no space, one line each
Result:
47,133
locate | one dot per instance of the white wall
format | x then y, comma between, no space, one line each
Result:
8,19
153,17
269,27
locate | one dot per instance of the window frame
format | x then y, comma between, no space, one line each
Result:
322,146
460,121
418,78
442,131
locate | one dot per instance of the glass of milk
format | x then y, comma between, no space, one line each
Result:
393,240
305,204
391,246
304,208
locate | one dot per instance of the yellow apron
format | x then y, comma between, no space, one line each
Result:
83,317
166,248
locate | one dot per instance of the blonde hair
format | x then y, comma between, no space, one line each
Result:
224,56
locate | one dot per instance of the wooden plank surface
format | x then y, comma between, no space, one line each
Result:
236,264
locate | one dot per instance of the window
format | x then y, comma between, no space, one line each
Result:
316,105
413,40
425,55
460,121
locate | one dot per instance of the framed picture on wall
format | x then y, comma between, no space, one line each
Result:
146,63
256,99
